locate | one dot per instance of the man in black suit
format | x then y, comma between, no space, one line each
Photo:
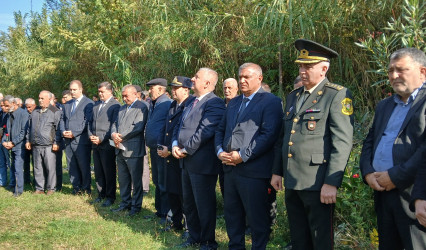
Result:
244,143
104,115
173,173
129,139
76,117
193,142
394,149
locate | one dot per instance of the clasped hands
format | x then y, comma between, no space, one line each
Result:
232,158
95,139
8,145
178,153
68,134
116,137
380,181
164,152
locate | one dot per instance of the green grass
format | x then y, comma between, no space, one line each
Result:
70,222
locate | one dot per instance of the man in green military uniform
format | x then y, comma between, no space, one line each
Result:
314,147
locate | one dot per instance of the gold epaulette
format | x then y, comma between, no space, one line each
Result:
334,86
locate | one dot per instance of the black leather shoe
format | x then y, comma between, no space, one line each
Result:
108,203
188,243
97,200
16,194
120,208
133,213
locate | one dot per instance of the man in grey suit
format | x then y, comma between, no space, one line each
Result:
128,136
76,117
104,115
394,149
193,143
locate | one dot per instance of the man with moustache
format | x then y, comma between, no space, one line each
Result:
394,149
104,115
160,104
43,138
173,173
128,136
193,143
76,117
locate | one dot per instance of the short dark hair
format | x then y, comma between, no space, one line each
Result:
66,92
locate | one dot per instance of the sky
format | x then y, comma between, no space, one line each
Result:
7,7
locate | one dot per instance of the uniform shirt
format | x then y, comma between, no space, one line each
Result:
383,157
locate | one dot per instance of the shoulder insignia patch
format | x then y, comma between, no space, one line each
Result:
347,107
334,86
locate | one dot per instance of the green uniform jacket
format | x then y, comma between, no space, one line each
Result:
315,142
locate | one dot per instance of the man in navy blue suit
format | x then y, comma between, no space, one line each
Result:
159,108
193,143
244,143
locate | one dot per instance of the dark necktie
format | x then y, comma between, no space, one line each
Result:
74,105
302,100
242,107
100,107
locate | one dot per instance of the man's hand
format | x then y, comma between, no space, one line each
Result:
421,211
163,153
372,182
68,134
328,194
28,146
225,158
384,180
95,139
55,147
8,145
277,182
178,153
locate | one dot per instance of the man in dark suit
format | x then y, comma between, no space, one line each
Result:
418,196
14,141
160,104
193,142
4,153
313,148
244,143
129,140
394,149
173,173
104,115
76,117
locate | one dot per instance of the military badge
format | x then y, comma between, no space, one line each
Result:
347,107
312,125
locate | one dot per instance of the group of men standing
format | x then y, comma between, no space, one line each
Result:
249,141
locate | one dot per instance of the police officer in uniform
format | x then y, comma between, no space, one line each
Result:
173,173
314,147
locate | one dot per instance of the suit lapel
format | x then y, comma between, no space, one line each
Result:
418,102
256,98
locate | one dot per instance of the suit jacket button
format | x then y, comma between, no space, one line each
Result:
290,155
325,161
295,120
293,131
167,134
170,120
290,143
168,161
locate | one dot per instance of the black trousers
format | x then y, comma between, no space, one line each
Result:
105,172
199,201
130,171
311,222
396,229
176,205
78,160
246,197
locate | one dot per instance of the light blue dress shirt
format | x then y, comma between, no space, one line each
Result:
383,157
